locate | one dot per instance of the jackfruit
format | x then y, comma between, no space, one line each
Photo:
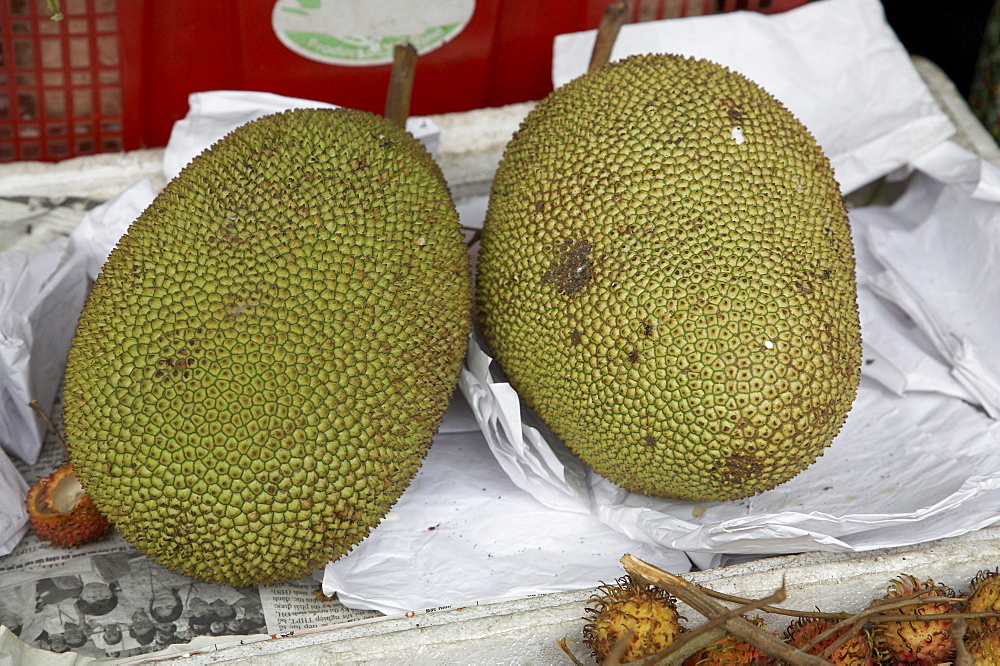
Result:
666,276
261,365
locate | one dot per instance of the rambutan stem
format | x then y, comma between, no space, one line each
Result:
774,610
50,426
957,632
874,614
713,629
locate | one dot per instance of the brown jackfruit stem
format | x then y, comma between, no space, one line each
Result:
612,20
397,99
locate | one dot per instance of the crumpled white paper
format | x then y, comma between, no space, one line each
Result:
38,295
939,267
214,114
41,296
835,64
555,477
464,532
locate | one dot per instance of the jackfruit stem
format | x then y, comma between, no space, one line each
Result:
397,99
615,15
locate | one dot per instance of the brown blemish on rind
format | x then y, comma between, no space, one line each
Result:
740,467
571,269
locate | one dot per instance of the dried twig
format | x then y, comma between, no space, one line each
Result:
713,629
699,601
564,646
774,610
50,426
689,643
957,632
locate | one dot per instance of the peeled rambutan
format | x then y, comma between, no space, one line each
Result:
858,650
62,513
631,620
918,641
731,650
984,597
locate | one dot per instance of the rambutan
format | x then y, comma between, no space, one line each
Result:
62,513
984,597
917,641
985,647
731,650
631,620
858,650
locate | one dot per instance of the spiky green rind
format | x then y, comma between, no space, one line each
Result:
267,353
667,277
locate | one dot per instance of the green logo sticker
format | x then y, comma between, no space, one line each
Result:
364,32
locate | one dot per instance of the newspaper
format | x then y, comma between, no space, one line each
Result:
106,600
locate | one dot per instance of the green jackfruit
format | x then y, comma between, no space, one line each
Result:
260,367
666,277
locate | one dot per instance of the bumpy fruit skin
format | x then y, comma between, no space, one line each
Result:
923,642
984,647
858,650
667,278
81,523
643,615
984,597
259,370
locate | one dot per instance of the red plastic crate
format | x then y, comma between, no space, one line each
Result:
62,84
116,74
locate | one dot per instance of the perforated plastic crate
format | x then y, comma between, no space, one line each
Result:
116,74
62,89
